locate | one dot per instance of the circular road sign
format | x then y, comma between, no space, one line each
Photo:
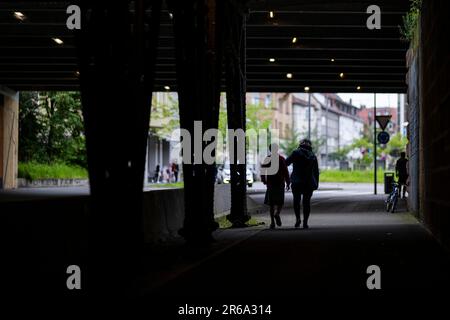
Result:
383,137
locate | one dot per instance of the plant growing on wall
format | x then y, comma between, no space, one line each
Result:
409,29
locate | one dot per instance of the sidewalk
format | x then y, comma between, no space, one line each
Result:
347,234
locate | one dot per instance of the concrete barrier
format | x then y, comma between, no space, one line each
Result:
163,214
164,211
162,217
42,183
222,199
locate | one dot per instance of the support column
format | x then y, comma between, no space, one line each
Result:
198,79
9,138
117,51
233,19
375,143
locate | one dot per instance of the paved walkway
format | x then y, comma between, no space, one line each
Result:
349,231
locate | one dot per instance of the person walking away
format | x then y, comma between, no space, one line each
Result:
304,179
157,174
401,170
276,184
166,174
175,171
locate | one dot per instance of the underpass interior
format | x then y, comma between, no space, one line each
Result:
349,231
349,227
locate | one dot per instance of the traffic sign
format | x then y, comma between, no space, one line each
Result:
383,137
383,121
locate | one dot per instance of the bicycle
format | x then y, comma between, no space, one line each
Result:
392,199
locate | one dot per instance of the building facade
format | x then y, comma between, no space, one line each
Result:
332,124
367,115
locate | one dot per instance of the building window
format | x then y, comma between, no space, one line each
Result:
268,100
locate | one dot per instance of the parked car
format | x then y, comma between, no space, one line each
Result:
224,175
219,174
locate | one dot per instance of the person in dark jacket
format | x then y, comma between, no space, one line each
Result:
401,170
304,179
276,184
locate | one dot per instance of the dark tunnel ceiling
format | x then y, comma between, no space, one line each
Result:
374,60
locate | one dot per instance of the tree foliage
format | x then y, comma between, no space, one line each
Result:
51,128
289,145
165,117
409,29
259,117
396,145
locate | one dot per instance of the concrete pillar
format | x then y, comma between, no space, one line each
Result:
234,26
198,52
116,82
9,138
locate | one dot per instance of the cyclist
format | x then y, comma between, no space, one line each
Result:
401,170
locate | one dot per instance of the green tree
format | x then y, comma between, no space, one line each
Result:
165,117
292,143
289,145
396,145
52,128
30,128
366,147
341,154
258,116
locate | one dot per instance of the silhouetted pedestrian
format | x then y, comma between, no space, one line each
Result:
276,184
157,174
175,169
304,179
401,170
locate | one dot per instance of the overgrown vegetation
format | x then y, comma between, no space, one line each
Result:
37,171
224,223
409,28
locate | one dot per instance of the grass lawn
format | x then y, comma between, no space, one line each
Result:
37,171
179,184
350,176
